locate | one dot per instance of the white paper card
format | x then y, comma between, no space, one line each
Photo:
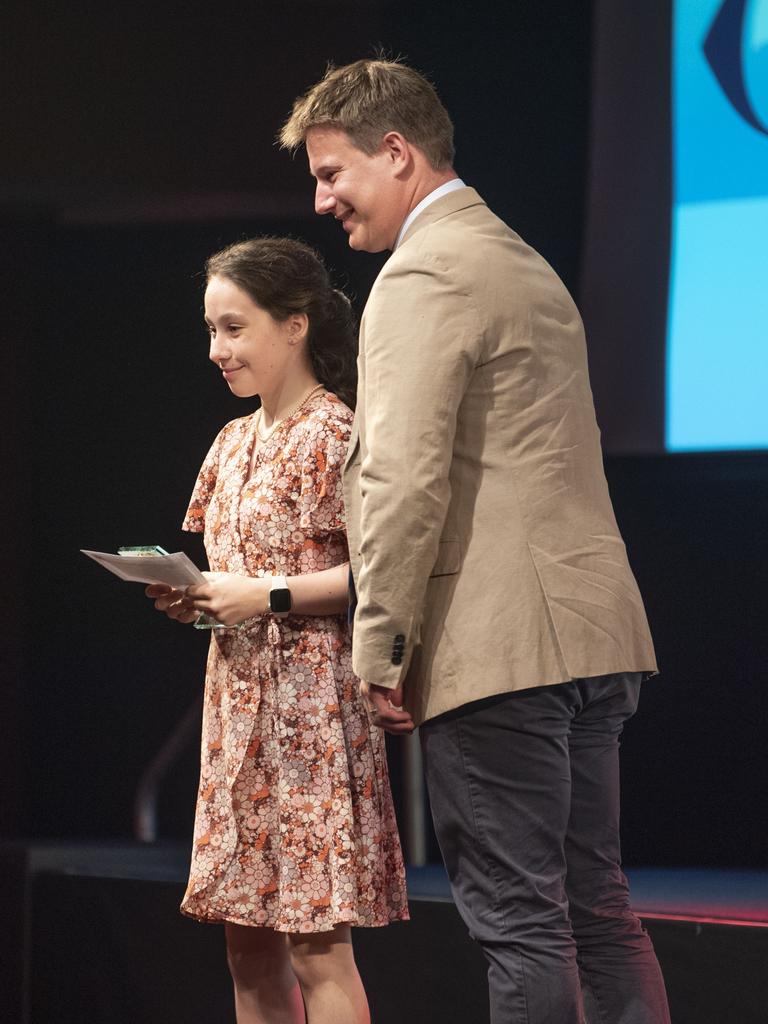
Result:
177,570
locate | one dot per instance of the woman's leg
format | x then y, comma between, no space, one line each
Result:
325,966
266,989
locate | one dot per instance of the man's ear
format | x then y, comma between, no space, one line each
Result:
397,149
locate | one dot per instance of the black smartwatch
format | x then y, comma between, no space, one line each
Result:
279,597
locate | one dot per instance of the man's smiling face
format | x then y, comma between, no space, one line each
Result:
366,193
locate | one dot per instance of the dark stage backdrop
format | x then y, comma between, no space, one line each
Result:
144,143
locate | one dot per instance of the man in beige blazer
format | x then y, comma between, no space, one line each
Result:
494,597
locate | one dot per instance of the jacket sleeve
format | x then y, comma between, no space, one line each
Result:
422,337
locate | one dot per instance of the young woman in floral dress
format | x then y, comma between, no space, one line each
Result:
295,835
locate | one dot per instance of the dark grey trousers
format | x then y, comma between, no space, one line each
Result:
525,798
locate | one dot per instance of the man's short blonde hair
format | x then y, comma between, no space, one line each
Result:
369,98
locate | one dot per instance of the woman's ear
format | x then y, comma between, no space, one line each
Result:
298,326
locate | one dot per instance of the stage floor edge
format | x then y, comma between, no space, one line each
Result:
69,905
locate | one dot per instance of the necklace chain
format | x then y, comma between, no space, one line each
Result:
277,423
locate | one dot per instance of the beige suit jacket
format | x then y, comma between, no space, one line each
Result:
483,543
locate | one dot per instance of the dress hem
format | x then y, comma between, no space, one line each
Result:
285,929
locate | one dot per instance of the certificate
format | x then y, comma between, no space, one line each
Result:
154,565
176,570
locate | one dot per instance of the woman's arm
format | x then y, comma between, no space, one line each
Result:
319,593
230,598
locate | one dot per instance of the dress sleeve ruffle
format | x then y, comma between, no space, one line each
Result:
194,520
321,499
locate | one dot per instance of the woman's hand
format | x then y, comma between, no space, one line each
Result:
230,598
174,603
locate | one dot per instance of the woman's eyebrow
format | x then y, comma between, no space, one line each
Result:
225,316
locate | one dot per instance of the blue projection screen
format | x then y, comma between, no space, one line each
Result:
717,329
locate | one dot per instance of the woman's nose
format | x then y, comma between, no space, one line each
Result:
218,352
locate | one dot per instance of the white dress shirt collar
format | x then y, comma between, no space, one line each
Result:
438,193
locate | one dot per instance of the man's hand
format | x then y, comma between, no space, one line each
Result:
174,603
386,707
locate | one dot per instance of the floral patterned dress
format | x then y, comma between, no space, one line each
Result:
295,828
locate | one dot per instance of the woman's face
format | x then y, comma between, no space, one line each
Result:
254,351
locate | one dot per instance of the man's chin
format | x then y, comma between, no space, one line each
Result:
361,244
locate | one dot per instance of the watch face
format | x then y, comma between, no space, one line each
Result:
280,600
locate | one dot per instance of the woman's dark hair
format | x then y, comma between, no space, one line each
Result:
285,277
